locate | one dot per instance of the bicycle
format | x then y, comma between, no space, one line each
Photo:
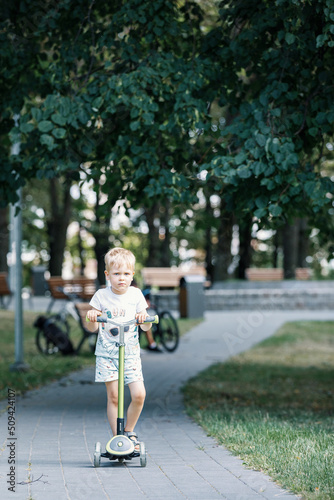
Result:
53,332
166,331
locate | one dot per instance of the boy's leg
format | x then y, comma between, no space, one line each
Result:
138,393
112,404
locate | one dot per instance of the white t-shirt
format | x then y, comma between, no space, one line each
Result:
123,308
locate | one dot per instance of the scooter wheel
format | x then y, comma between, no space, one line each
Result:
97,455
142,451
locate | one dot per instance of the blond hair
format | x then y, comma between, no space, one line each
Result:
119,256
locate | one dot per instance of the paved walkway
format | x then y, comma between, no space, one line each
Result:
57,427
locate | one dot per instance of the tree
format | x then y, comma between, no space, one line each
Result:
156,93
245,249
58,223
277,102
156,254
4,240
104,82
100,228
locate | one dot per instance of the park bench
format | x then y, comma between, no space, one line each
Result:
4,290
274,274
168,277
303,273
84,288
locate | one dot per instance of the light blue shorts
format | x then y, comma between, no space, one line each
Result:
106,369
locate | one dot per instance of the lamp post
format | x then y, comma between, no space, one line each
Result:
16,272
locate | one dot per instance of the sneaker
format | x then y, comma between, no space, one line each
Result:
155,348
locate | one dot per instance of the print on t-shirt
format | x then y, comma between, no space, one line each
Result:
123,308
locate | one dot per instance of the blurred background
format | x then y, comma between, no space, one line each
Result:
191,132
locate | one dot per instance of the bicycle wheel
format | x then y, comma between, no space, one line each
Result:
45,345
168,331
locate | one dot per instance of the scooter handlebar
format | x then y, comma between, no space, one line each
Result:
149,319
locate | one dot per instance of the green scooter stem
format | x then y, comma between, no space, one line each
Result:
120,415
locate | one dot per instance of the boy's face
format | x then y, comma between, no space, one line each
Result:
120,278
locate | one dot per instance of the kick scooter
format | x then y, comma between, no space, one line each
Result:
121,447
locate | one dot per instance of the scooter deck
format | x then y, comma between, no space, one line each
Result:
110,456
119,456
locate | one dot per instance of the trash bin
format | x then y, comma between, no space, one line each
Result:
38,282
192,296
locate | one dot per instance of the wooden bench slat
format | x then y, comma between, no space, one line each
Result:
303,273
4,290
274,274
81,286
168,277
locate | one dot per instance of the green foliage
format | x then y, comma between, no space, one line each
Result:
145,97
106,83
278,99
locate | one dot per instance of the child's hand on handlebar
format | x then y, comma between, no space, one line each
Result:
140,317
92,315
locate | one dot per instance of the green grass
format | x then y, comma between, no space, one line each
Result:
273,406
186,324
43,369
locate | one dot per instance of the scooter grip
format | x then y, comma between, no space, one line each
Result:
102,319
152,319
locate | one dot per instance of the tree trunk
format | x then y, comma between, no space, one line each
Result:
223,257
81,252
102,246
165,247
245,249
61,204
4,239
101,233
154,248
290,250
209,254
277,243
303,242
208,243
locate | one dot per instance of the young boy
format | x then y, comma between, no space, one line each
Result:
122,302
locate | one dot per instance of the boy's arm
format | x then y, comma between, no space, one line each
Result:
140,317
91,317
